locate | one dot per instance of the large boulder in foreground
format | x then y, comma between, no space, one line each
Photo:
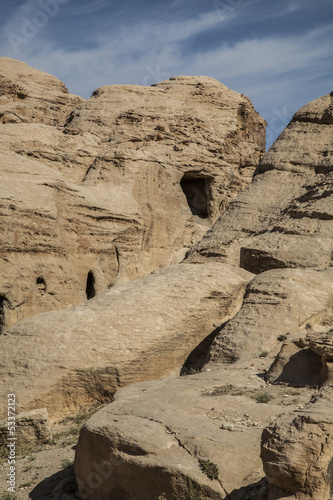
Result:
102,191
142,330
297,451
191,437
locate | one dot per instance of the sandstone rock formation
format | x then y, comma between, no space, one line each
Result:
103,191
31,429
280,228
305,361
284,218
297,451
31,96
76,357
279,302
151,439
262,275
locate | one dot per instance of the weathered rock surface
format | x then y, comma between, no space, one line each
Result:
142,330
28,95
196,129
53,234
150,439
279,228
305,361
115,186
297,451
277,302
285,217
31,428
106,190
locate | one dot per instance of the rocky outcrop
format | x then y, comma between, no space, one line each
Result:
123,185
31,428
305,361
51,239
297,451
28,95
280,302
280,229
285,217
106,190
177,438
64,360
194,128
279,223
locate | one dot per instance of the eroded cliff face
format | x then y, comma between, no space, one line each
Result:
103,191
284,218
262,364
251,305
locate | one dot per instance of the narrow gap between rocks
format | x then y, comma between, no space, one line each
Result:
90,286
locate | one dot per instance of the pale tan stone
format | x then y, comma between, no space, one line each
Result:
297,451
276,302
285,217
93,192
31,428
28,95
79,356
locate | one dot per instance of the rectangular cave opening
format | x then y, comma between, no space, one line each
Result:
196,191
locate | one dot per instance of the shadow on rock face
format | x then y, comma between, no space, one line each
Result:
198,357
303,368
254,491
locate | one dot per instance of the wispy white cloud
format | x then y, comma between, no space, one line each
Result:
93,7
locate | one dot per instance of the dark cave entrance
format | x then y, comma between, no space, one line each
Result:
196,192
90,286
41,285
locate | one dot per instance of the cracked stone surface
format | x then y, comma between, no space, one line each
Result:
150,439
76,357
297,299
297,451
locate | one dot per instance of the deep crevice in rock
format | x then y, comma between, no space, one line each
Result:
90,286
197,358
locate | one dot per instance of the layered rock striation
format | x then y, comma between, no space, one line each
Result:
70,359
284,218
102,191
279,229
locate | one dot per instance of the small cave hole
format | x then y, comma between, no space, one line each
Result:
196,190
90,286
41,285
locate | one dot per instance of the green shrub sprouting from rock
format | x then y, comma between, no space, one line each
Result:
209,468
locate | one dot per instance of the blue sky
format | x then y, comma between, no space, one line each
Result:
277,52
